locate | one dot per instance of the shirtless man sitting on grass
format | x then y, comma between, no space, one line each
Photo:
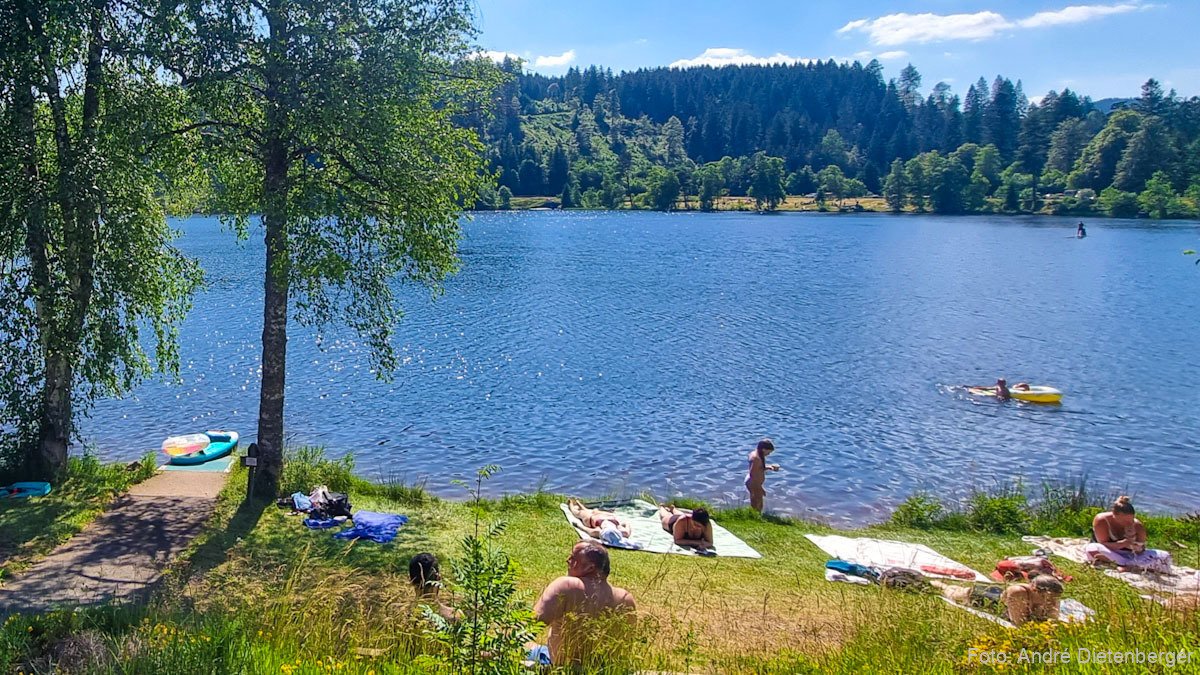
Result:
569,602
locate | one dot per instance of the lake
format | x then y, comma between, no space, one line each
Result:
605,353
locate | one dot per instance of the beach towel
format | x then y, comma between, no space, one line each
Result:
883,554
1179,581
647,533
378,527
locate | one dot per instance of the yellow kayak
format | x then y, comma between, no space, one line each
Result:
1034,394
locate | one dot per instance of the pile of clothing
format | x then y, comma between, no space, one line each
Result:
325,509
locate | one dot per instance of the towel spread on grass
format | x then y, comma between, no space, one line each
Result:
1180,580
883,554
378,527
648,534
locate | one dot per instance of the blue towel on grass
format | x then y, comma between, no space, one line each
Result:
379,527
322,523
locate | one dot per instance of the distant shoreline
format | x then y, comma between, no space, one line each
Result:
796,204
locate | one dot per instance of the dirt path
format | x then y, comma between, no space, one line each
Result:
120,556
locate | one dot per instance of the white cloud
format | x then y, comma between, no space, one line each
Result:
1076,14
893,55
564,59
853,25
496,56
899,29
724,56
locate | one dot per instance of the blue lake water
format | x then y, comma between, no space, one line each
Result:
607,353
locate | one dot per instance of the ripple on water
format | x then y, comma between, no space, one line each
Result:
612,353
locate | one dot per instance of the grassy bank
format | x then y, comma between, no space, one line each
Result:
262,594
30,529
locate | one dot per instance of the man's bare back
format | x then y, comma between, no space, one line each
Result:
568,602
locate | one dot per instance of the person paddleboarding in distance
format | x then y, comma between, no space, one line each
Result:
1080,232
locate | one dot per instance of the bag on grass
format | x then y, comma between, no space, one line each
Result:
904,579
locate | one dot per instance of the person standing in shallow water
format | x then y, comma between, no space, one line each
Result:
756,475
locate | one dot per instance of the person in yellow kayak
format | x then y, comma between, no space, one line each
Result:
1003,392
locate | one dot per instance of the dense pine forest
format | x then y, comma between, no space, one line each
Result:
833,133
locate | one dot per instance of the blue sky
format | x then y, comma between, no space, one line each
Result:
1101,49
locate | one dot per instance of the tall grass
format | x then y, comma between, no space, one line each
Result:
307,467
286,601
1058,508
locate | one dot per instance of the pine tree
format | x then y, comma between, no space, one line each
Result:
909,87
559,171
1149,150
1001,118
895,186
973,109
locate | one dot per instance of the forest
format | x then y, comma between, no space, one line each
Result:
670,138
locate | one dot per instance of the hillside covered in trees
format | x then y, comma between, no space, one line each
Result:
682,138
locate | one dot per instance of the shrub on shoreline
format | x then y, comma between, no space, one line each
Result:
1063,509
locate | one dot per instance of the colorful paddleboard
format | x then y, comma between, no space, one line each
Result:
219,444
25,490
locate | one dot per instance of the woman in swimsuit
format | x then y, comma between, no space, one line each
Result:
756,474
1119,537
1036,600
596,522
688,528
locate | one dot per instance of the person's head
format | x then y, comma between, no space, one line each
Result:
1123,507
701,516
424,574
1001,382
1047,587
588,559
765,447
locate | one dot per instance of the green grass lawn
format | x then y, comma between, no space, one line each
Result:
261,593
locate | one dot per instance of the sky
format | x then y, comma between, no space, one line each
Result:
1101,49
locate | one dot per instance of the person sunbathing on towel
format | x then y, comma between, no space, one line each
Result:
1033,601
688,528
1119,537
1021,603
600,524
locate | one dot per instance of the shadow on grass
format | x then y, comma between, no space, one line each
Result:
214,550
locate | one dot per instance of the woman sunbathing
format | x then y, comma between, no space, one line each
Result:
1119,537
599,523
688,528
1021,603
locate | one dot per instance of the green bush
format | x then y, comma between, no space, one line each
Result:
921,511
1003,512
306,467
1119,204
